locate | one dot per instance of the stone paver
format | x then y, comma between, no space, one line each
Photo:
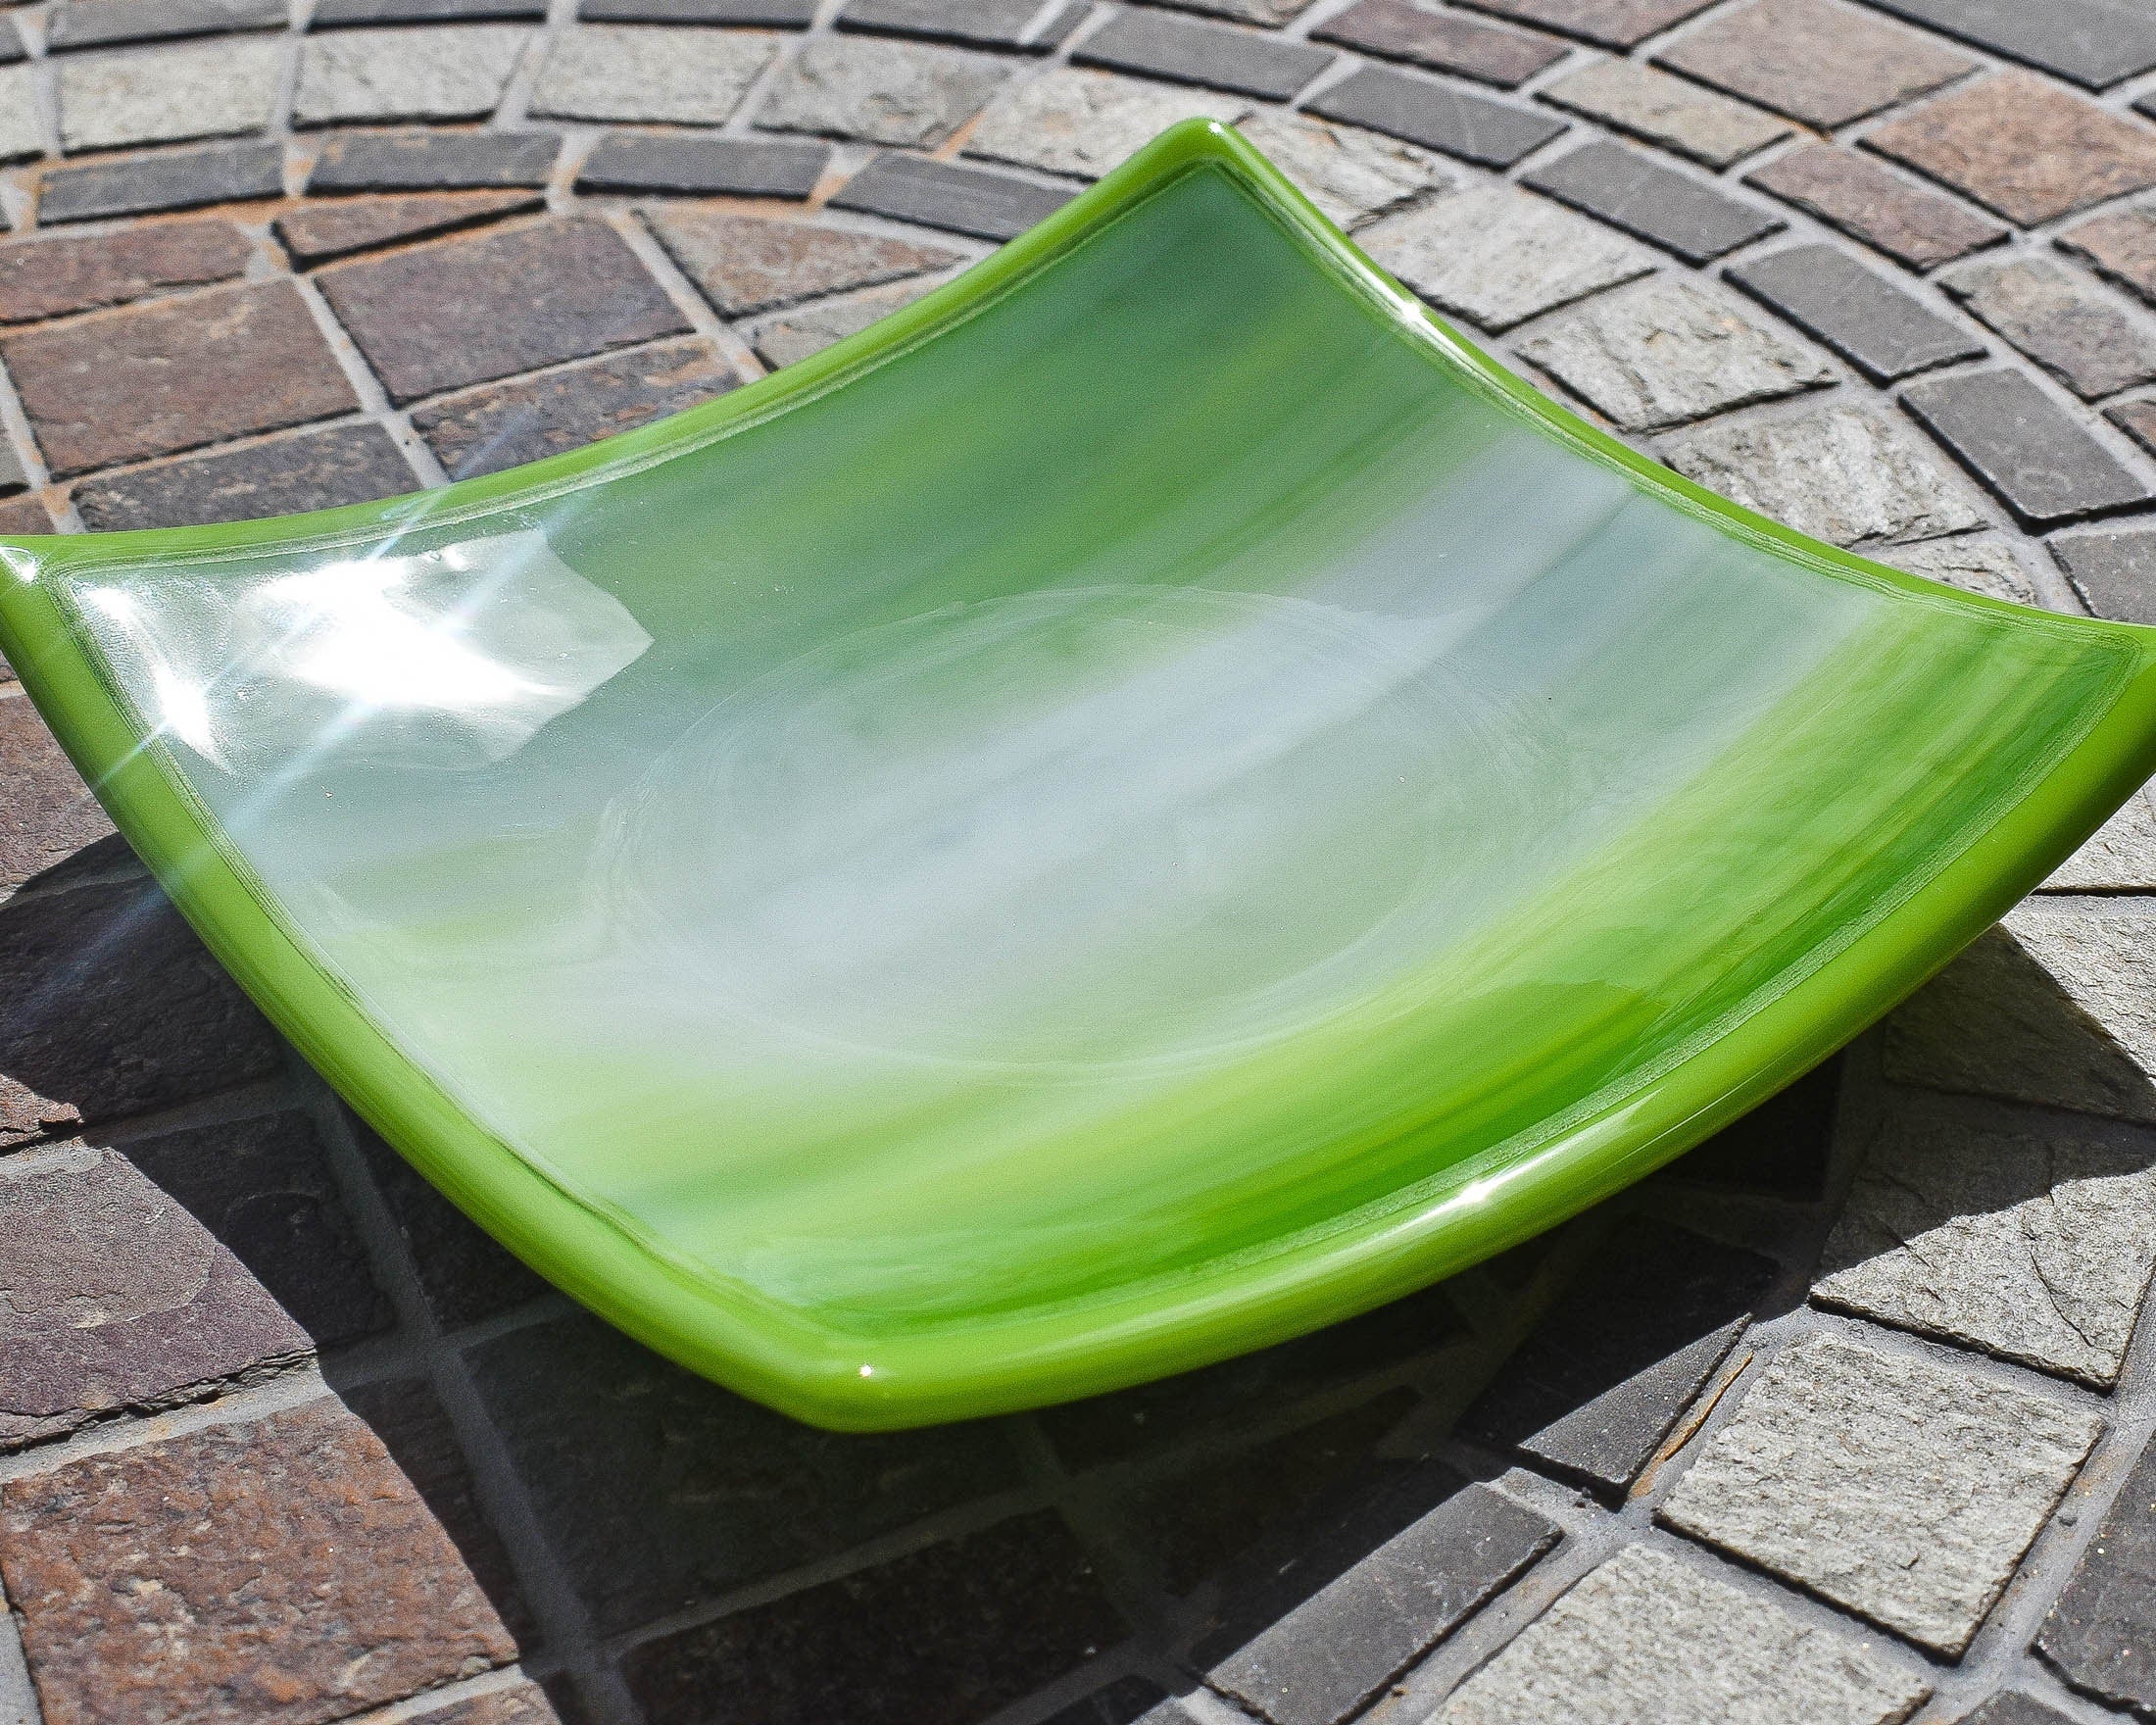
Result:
184,179
984,23
1818,60
1188,51
2024,446
1904,1490
2120,245
2115,573
1975,565
1086,123
1661,354
280,475
167,95
46,812
2068,326
1848,475
463,1276
2120,855
887,92
1919,227
1668,111
744,264
1658,203
319,232
1611,23
2094,42
651,75
99,24
752,167
1438,116
1878,327
2101,1635
276,1571
46,277
1651,1639
22,131
1445,41
428,161
1351,176
450,72
949,195
1499,256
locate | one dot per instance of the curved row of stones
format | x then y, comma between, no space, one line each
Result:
1845,1418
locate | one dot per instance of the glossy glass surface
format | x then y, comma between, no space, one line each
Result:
1149,803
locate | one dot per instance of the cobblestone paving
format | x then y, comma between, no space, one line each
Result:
1844,1418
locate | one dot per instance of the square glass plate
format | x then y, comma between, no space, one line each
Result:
1153,800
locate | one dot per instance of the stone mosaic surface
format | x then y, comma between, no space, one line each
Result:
1846,1417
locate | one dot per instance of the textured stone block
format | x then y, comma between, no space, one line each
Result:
46,812
47,277
1661,354
2024,446
1605,1377
745,264
117,1297
2121,855
1351,176
2065,322
21,130
887,92
458,312
2120,246
443,72
282,1571
944,194
280,477
779,14
2115,573
333,14
1497,255
1919,227
1880,330
2101,1635
977,24
2033,1246
949,1634
1975,566
1843,473
2023,147
168,376
1817,61
1187,51
2094,42
2010,1708
506,424
1270,12
1668,111
649,74
659,1490
1086,123
318,232
747,168
1903,1490
1443,41
791,337
1611,23
167,95
1438,117
182,180
101,23
1650,1636
1658,203
426,161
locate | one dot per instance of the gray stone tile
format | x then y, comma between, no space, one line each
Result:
1309,1640
1818,60
1603,1378
1351,174
1653,1638
99,24
2115,573
658,162
1680,115
181,179
167,95
1663,353
788,336
944,194
2068,325
446,72
278,477
2054,1006
2035,1247
653,73
2094,42
1443,41
2011,1707
22,131
1438,117
1655,202
1497,255
886,92
1975,566
976,24
1190,52
2118,857
1248,11
336,13
749,264
1086,123
2101,1635
777,14
12,47
1880,330
1903,1490
1863,199
2027,449
1609,23
434,161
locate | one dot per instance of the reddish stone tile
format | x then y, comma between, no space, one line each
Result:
467,311
1816,61
46,812
2120,246
1400,29
522,1704
1883,209
315,233
745,264
46,277
279,1572
1614,24
502,424
278,477
174,375
117,1297
2023,147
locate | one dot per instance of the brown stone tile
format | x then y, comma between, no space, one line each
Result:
2120,246
22,515
745,264
279,1572
46,277
467,311
1883,209
1817,61
2023,147
278,477
316,232
117,1297
2085,335
1614,24
174,375
2137,419
502,424
46,811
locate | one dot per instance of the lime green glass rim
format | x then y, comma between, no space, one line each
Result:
1046,1353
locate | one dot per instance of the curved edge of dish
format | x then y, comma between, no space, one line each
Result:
847,1382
